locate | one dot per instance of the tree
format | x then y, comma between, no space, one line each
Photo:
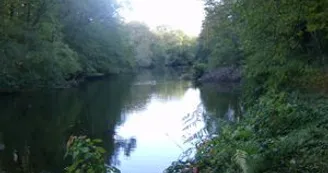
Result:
162,47
219,42
142,40
48,42
282,47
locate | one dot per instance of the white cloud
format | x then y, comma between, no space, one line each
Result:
186,15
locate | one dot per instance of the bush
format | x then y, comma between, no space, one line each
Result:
86,156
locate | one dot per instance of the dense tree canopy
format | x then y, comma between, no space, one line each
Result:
264,36
48,42
218,43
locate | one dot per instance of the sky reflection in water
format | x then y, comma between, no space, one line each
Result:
158,129
153,119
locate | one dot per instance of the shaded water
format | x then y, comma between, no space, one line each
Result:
146,121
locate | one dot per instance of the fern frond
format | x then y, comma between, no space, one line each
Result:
240,158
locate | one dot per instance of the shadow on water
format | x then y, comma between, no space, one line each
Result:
34,126
222,104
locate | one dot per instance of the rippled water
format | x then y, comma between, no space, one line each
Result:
146,121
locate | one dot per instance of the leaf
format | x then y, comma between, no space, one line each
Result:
101,150
97,140
240,159
75,154
85,149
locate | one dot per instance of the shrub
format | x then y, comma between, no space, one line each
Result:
86,156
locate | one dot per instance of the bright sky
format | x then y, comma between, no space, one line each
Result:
186,15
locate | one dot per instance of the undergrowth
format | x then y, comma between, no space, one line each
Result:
87,156
282,132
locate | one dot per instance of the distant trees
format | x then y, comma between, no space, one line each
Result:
178,48
161,47
142,40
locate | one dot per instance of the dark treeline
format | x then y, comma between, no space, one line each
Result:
50,42
282,48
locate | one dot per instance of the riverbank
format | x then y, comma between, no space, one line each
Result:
222,75
73,82
281,132
283,53
78,79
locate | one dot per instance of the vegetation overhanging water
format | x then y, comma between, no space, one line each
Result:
278,48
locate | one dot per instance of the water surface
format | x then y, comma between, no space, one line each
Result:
146,121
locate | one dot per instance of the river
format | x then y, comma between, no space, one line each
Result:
146,121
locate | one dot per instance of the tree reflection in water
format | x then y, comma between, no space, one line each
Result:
36,124
194,130
125,145
204,122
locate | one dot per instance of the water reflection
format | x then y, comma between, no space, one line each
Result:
122,145
159,131
145,121
42,121
221,103
191,121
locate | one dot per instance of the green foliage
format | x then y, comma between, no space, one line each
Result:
281,133
87,156
162,47
219,43
48,42
282,47
179,167
241,159
178,48
95,35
